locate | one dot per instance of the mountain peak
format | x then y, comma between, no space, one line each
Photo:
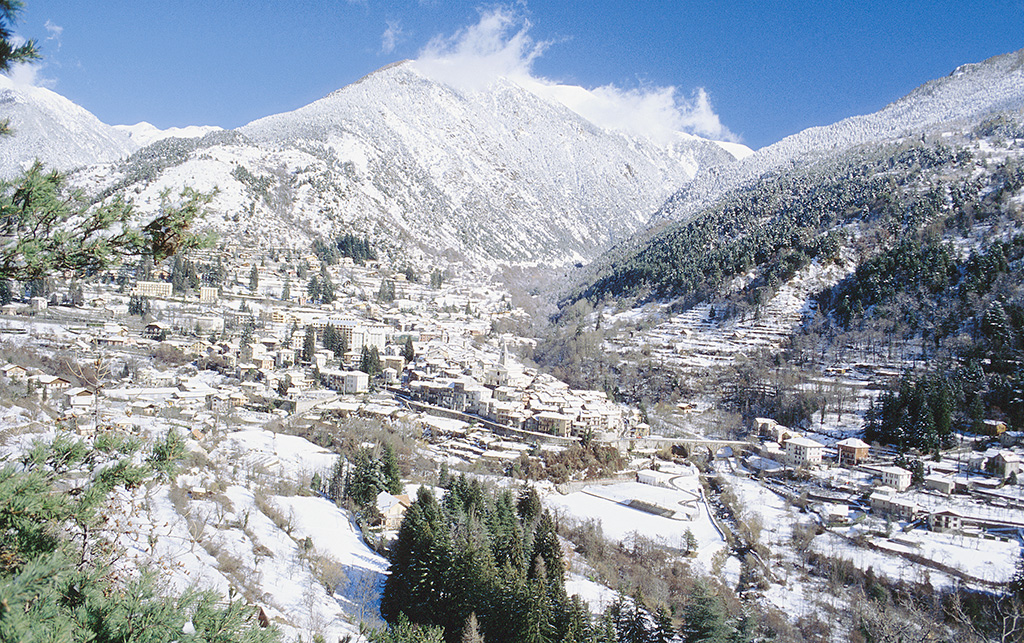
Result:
54,130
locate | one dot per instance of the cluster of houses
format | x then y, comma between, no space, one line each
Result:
502,391
782,444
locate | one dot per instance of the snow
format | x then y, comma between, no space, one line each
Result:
598,597
55,130
145,133
620,522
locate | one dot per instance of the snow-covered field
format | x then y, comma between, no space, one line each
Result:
610,505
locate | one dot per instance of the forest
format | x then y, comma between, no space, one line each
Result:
969,315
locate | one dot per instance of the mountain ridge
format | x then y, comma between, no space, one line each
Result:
968,92
424,168
54,130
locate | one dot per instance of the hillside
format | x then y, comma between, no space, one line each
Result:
54,130
968,95
867,260
424,169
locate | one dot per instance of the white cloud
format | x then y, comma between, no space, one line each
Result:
499,45
28,75
390,37
55,31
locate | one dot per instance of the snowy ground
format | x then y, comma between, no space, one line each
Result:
609,505
234,521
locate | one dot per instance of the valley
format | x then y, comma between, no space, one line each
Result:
435,362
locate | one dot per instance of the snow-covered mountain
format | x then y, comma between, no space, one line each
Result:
144,133
54,130
423,168
968,94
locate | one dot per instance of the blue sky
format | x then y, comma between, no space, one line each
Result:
764,69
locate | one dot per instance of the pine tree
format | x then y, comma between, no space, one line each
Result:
704,617
471,630
254,278
408,351
12,52
632,622
392,474
309,345
690,542
369,362
365,479
386,294
286,289
663,631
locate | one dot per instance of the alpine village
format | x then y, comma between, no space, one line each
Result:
471,368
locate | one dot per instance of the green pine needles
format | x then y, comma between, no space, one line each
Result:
57,578
489,558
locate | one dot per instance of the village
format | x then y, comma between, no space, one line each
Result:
141,356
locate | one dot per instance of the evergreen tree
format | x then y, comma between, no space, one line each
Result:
408,351
471,630
326,291
703,617
286,289
365,479
254,278
436,279
663,631
309,345
391,473
369,362
386,294
314,289
12,52
528,505
632,624
580,628
689,542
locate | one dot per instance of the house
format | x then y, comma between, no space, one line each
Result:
553,423
883,501
346,381
1005,463
52,383
896,477
210,324
655,478
392,508
801,451
769,429
940,483
852,451
993,428
152,289
79,400
945,520
13,372
157,330
208,294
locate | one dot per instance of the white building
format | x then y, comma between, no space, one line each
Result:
801,451
346,381
152,289
896,477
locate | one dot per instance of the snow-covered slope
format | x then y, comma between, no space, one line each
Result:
968,94
55,130
499,172
144,133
